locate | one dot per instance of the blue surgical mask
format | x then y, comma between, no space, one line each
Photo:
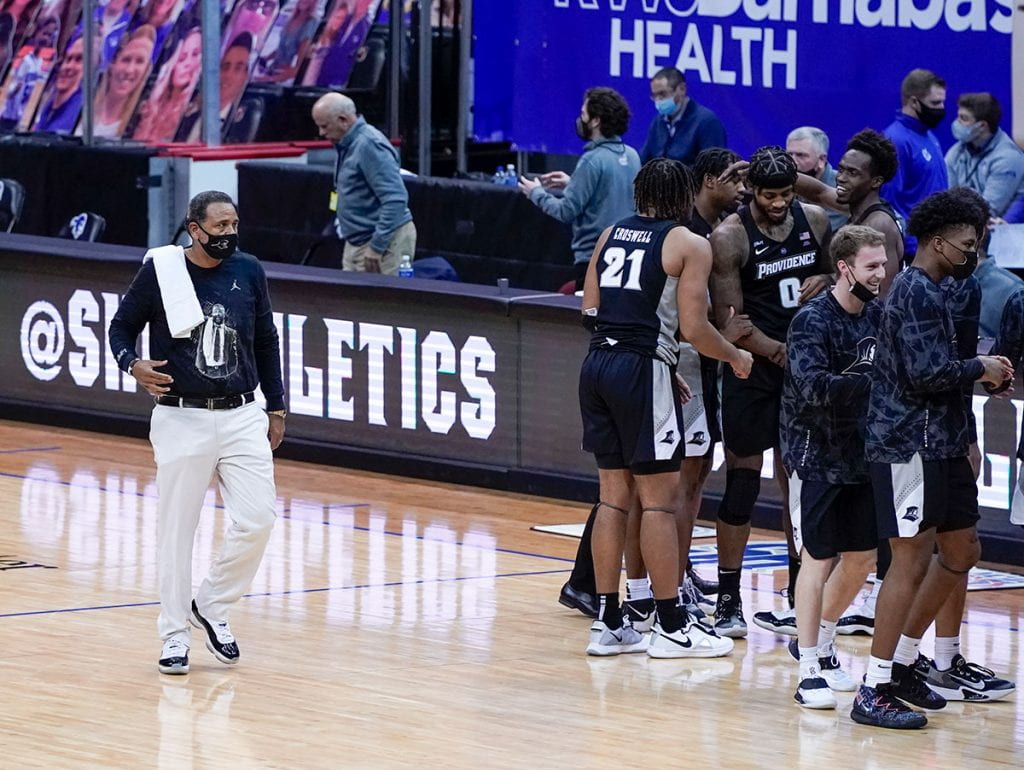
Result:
966,134
665,106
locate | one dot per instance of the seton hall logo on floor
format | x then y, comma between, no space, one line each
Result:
8,562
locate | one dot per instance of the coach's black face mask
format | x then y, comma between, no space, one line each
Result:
219,247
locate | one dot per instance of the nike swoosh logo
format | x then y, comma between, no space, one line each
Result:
760,251
686,644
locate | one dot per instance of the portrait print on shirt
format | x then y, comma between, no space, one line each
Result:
216,345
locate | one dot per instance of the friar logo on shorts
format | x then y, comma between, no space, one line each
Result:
697,438
670,437
911,514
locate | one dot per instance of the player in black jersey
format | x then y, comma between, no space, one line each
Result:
700,416
870,160
700,412
769,258
646,279
715,197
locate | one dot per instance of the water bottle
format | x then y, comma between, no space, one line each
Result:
499,175
405,267
511,179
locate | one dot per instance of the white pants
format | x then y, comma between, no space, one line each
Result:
190,446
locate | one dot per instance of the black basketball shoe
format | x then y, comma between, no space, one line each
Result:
729,616
705,586
876,706
219,639
909,685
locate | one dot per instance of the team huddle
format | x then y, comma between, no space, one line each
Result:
856,369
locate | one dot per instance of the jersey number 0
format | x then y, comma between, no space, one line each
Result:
616,259
789,292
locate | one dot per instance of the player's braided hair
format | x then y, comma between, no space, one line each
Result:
881,150
712,162
664,187
772,168
946,210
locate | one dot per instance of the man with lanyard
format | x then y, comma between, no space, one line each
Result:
369,197
206,422
600,190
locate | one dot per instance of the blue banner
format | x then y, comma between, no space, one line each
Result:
764,66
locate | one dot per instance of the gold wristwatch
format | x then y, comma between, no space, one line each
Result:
279,412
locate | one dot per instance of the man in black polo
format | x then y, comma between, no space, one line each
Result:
205,365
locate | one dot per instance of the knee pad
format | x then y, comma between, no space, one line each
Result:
742,486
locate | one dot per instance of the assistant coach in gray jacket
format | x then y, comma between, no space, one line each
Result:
369,195
600,191
985,158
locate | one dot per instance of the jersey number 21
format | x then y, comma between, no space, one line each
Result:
615,259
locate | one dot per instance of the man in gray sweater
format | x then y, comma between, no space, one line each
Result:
985,158
600,191
369,195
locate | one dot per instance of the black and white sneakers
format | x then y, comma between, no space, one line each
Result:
219,639
729,616
174,657
963,681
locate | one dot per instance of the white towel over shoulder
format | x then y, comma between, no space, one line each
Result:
181,306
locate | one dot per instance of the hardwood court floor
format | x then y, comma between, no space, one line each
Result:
393,623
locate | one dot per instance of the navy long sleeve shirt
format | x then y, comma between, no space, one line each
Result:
232,352
964,301
918,381
830,353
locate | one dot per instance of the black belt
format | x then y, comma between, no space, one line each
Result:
220,402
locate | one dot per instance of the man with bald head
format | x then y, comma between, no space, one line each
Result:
369,197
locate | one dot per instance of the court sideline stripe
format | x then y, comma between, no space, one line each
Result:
30,449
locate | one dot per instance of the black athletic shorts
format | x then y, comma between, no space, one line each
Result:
830,519
918,495
750,408
630,412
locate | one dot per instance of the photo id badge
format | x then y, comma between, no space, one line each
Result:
333,203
